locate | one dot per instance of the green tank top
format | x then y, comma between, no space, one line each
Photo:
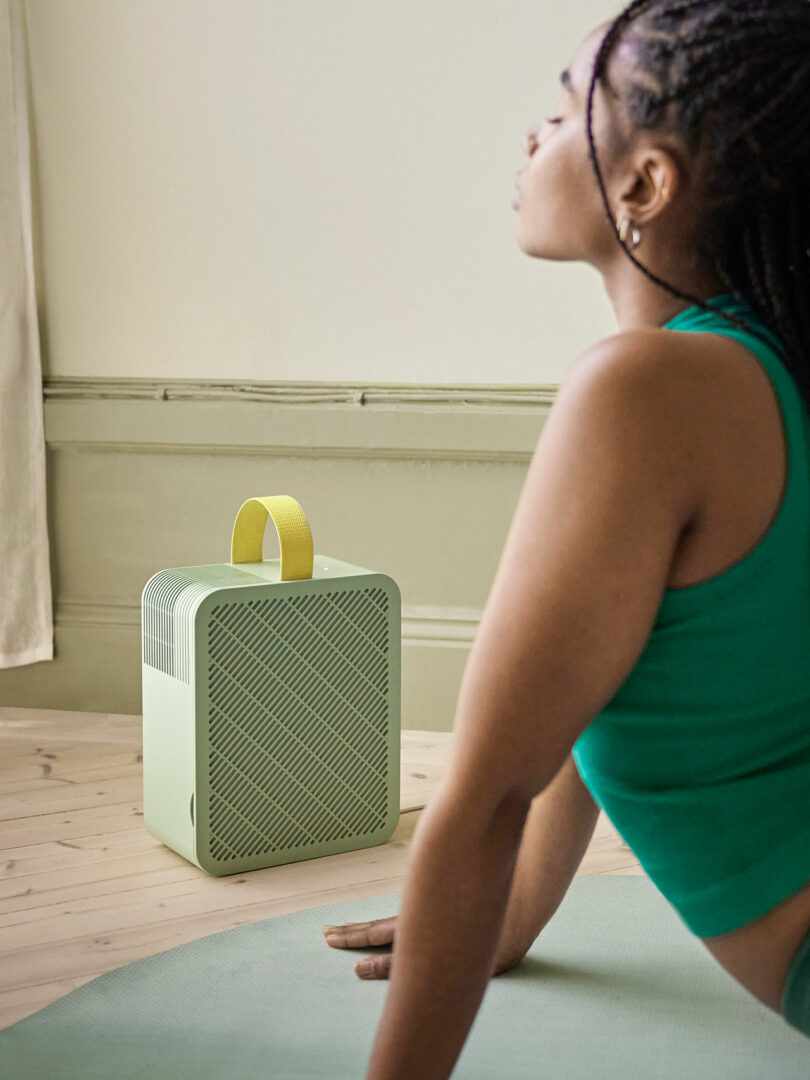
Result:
701,759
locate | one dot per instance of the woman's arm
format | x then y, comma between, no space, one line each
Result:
452,910
558,829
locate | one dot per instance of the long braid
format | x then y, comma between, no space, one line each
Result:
733,76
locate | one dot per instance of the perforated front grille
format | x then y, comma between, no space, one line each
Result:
298,740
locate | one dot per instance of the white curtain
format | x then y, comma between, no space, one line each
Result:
26,618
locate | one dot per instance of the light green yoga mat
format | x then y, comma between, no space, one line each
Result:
615,988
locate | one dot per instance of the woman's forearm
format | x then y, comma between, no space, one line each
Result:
453,906
556,835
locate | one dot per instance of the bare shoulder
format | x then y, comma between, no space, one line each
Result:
643,395
673,381
648,377
668,355
650,354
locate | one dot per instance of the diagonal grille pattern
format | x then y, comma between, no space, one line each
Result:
298,720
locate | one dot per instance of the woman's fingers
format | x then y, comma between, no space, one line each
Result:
361,935
382,932
379,967
358,935
374,967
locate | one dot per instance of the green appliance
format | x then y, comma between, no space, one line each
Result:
271,701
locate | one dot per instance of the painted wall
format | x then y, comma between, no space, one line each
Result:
293,208
299,190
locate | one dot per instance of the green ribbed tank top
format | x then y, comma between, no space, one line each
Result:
701,759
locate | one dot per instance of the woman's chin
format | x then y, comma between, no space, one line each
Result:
541,245
537,249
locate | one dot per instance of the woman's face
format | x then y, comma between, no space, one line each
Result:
561,214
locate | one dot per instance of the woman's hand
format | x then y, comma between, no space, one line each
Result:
382,932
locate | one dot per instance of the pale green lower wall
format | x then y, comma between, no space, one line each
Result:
420,483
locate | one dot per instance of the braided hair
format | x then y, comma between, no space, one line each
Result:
733,76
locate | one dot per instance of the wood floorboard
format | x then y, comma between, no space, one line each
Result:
84,888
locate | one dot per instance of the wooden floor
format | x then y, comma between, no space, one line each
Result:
84,888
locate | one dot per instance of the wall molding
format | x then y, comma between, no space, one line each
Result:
440,626
420,482
286,392
475,424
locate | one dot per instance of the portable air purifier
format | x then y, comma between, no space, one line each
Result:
271,701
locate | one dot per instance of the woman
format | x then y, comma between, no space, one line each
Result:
677,164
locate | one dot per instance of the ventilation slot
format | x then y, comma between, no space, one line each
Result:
167,622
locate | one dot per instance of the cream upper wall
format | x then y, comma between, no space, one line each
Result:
299,190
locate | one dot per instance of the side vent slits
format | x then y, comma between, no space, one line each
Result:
167,615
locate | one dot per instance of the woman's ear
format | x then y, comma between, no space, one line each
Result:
650,183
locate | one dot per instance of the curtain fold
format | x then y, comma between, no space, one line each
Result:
26,618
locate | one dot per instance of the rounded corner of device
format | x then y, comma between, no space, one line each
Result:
390,585
202,607
146,585
205,862
393,819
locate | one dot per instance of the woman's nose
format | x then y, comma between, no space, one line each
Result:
530,140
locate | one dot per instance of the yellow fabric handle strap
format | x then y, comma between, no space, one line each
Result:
294,535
